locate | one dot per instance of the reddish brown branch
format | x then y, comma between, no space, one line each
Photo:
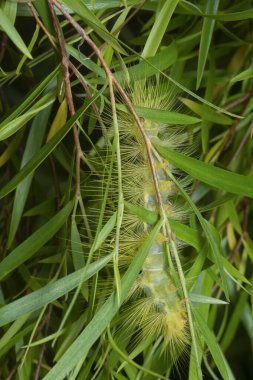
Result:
70,64
45,323
69,97
230,134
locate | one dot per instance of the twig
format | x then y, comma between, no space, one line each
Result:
242,143
238,101
13,371
35,15
87,90
42,351
68,92
72,67
230,134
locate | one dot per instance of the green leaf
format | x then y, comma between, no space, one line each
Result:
49,293
246,74
206,37
206,113
212,345
7,130
159,28
42,154
198,298
76,247
234,320
209,174
236,16
162,116
85,61
105,231
234,272
31,97
80,347
12,33
33,144
12,331
148,67
34,242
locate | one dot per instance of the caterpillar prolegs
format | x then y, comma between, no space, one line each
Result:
156,305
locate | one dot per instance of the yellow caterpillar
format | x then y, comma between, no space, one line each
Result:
156,305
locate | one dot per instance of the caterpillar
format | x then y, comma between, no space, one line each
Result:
156,304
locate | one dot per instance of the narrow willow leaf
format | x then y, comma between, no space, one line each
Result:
149,66
13,126
13,330
12,33
85,61
33,144
206,113
30,47
234,272
34,242
105,231
46,207
31,97
59,120
236,16
209,174
103,317
246,74
206,37
76,247
10,10
198,298
7,154
42,154
49,293
213,346
159,28
234,320
162,116
215,244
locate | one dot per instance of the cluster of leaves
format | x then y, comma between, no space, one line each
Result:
50,327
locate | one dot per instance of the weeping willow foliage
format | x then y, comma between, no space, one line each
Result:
126,186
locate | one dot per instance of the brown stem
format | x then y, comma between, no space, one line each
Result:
230,134
238,101
41,25
42,351
242,143
12,373
87,90
69,97
71,66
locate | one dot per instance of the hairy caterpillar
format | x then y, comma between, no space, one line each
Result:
156,304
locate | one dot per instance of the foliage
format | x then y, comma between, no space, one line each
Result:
61,72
